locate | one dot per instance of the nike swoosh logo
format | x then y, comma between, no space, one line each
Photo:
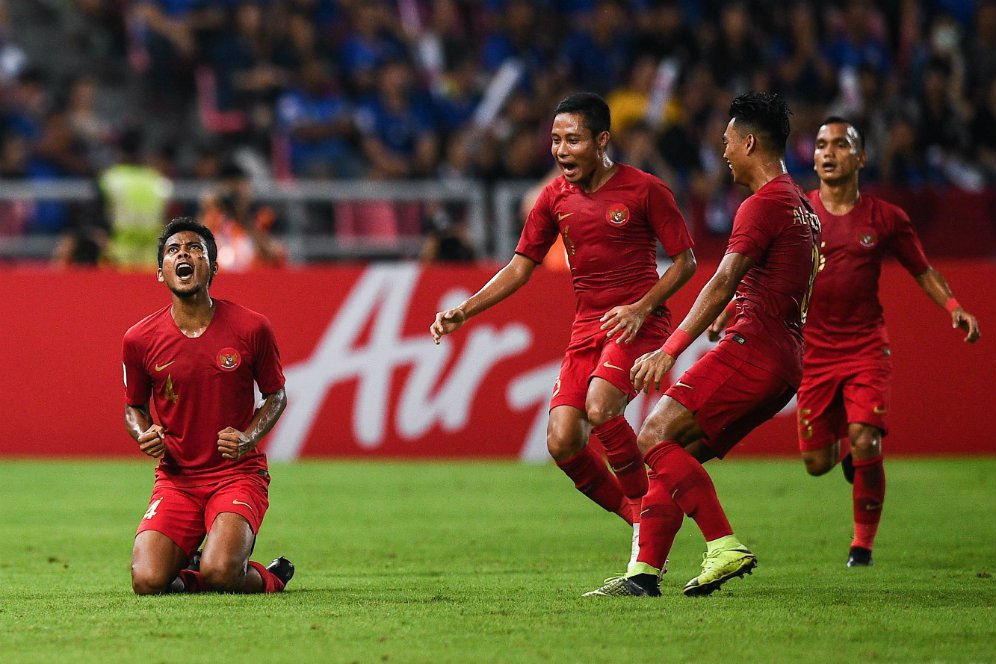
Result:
561,217
160,367
612,366
680,384
239,502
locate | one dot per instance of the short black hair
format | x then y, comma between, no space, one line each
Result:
836,119
181,224
765,114
591,107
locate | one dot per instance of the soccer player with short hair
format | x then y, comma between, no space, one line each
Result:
610,217
770,263
197,360
847,370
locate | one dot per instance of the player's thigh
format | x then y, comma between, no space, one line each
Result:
580,360
616,359
243,495
177,513
867,395
155,562
669,420
821,418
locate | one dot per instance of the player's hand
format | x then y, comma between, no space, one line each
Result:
715,330
446,322
152,441
966,321
650,369
624,321
233,444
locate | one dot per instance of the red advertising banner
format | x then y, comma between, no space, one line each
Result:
365,379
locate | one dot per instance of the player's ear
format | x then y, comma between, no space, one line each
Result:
862,159
159,275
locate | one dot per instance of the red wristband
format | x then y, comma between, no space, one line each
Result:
677,343
951,305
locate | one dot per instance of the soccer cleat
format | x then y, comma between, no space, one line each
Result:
847,466
620,586
720,567
281,568
860,557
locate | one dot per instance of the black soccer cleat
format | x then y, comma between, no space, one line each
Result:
847,466
281,568
195,561
860,557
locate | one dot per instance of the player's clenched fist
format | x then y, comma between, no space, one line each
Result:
446,322
152,441
233,444
650,369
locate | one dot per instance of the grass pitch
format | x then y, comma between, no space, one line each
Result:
486,562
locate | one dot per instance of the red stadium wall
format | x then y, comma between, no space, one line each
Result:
365,379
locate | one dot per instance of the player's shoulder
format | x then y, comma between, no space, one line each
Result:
881,208
148,325
242,317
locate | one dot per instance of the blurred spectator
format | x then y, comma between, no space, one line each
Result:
374,38
12,57
243,228
598,56
135,197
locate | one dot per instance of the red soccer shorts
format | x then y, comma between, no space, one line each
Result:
729,397
829,400
590,353
185,514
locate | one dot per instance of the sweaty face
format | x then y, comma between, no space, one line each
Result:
838,154
577,152
734,149
186,268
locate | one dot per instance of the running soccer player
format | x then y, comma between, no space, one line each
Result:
610,217
770,263
847,370
197,359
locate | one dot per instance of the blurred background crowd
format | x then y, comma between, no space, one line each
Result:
133,96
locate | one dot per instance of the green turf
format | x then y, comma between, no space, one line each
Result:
485,562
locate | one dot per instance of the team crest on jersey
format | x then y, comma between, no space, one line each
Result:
617,215
229,359
867,239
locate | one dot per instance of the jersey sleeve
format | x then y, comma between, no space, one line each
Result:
905,245
138,385
666,219
751,233
540,230
267,370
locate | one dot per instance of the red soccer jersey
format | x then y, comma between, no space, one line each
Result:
777,228
845,319
610,235
201,385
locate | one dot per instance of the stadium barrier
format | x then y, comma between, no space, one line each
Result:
364,378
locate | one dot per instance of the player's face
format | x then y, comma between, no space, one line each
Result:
838,155
735,150
578,153
186,268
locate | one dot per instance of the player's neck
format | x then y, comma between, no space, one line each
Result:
765,173
600,176
840,197
193,314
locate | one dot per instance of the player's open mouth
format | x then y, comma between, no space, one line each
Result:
184,270
569,169
827,166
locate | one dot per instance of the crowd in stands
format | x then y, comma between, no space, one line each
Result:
384,90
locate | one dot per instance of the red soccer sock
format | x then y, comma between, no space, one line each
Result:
660,521
619,441
691,488
271,584
869,495
193,582
592,478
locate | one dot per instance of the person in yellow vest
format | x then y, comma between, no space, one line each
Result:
135,199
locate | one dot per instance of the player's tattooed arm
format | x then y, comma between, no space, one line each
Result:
234,444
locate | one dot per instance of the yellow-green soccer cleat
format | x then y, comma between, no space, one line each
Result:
719,567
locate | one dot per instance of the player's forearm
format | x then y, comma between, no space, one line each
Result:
709,304
934,285
266,416
137,421
506,281
682,269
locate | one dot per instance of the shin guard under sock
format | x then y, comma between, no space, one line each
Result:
619,441
592,478
660,521
868,495
271,584
691,487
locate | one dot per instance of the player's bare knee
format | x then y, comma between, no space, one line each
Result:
866,444
148,582
817,465
563,447
224,577
599,413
